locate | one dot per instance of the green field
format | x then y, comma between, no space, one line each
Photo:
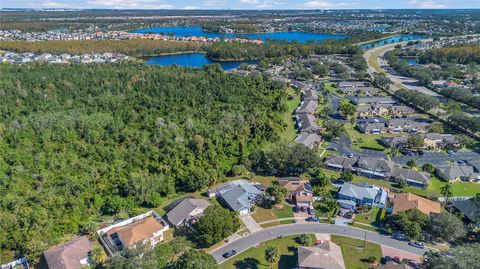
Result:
353,252
255,257
290,132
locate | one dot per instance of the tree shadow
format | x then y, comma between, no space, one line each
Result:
247,263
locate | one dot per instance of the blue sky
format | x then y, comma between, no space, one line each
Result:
240,4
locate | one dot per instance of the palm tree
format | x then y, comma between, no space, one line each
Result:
446,192
272,255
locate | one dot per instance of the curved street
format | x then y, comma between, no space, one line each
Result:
253,239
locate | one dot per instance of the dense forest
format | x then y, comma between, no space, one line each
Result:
135,47
275,49
79,143
461,54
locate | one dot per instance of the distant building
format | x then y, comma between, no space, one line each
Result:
71,255
457,172
147,228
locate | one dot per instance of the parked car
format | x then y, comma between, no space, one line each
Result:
386,259
451,152
332,148
311,210
399,236
296,209
229,254
417,245
304,209
312,219
350,155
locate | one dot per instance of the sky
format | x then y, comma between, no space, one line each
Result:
243,4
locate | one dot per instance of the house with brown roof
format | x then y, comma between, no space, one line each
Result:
406,201
299,191
71,255
146,228
324,255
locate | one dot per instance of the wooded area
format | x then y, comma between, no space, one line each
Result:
79,142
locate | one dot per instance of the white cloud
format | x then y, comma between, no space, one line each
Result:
191,7
51,4
425,4
214,3
326,4
126,4
249,2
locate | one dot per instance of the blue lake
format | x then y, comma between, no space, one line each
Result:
391,40
193,60
410,60
301,37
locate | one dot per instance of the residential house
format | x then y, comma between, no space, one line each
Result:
406,201
407,125
71,255
239,195
299,191
457,172
412,177
361,101
470,208
397,141
375,167
307,123
324,255
361,195
435,141
307,106
310,140
309,94
373,128
340,163
383,110
147,228
187,212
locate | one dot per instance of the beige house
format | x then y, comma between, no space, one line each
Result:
322,256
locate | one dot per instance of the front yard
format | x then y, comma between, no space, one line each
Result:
255,257
290,132
354,255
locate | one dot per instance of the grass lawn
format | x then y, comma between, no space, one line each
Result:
284,212
262,214
433,190
365,141
353,253
290,132
374,217
255,257
321,212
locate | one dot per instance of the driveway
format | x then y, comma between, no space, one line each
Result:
253,239
250,223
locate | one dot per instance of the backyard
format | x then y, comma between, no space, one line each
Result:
255,256
290,132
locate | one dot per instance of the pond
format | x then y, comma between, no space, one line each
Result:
193,60
391,40
301,37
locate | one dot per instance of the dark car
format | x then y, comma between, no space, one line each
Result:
311,211
296,209
417,245
314,219
229,254
400,236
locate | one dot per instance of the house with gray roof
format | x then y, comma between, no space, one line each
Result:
406,125
373,128
457,172
309,94
340,163
187,212
412,177
470,208
239,195
372,100
309,140
363,195
374,167
396,141
307,123
307,106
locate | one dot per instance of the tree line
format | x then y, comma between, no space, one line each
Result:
136,47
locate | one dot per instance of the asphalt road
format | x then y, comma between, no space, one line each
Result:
253,239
